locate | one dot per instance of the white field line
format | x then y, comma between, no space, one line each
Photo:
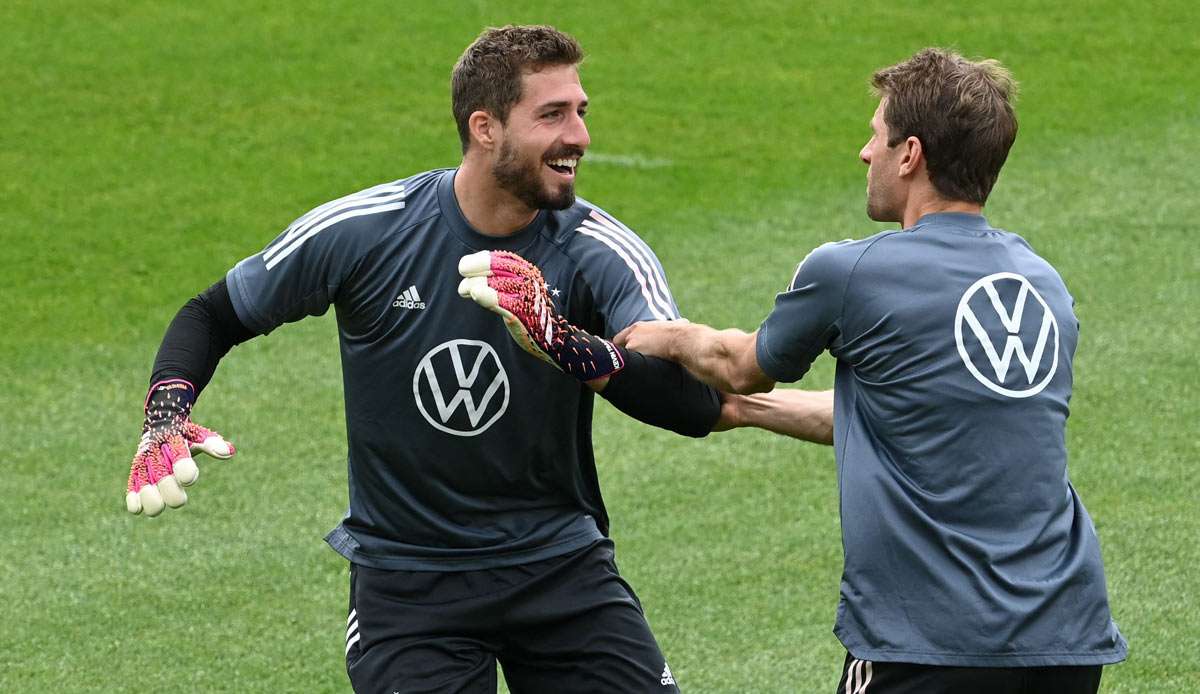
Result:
632,161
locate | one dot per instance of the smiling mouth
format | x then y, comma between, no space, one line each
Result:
564,166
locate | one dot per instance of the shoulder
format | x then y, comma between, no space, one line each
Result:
409,196
360,218
615,263
837,260
591,235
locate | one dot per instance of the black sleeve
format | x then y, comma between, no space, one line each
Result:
663,394
203,331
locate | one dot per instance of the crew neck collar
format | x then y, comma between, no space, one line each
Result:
966,220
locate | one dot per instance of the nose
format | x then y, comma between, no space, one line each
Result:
576,133
865,154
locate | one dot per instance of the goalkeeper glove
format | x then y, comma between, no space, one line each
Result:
511,286
163,460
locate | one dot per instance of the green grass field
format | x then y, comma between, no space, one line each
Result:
149,146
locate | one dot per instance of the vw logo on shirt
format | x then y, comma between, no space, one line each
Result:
460,387
1006,317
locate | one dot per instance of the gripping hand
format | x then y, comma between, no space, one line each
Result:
163,461
511,286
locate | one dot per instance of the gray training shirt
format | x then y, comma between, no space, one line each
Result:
965,543
464,451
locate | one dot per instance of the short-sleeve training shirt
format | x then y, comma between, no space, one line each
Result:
965,543
464,451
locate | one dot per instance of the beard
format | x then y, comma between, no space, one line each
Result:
524,180
881,205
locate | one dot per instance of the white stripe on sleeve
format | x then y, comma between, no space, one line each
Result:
328,222
310,224
657,283
637,274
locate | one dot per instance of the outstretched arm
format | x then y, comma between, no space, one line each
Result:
803,414
724,359
727,359
202,332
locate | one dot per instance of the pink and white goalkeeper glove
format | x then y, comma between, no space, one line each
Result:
511,286
163,461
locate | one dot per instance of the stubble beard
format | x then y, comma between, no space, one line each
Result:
524,182
880,206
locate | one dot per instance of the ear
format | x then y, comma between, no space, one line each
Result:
913,157
484,129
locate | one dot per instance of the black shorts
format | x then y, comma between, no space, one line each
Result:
866,677
565,624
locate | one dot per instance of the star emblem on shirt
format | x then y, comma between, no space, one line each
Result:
554,291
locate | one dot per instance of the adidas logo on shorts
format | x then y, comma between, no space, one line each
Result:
409,299
666,676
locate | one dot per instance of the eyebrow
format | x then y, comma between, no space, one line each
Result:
560,104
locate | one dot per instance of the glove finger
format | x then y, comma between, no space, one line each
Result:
133,502
138,478
214,445
478,290
464,287
506,264
207,441
151,500
172,494
186,471
475,265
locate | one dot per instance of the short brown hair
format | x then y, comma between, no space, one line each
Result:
488,75
960,110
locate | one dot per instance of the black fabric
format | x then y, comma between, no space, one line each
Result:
565,624
862,677
202,332
663,394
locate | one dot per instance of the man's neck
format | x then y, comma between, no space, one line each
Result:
490,209
919,206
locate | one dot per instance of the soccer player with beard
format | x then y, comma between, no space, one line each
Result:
476,530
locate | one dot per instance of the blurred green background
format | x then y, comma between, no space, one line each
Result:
148,146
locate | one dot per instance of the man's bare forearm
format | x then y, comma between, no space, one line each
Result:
724,359
801,414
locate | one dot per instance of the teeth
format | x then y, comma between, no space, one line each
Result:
569,163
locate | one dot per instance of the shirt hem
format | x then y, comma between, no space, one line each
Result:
1052,659
344,544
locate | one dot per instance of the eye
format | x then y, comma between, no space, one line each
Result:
551,115
582,113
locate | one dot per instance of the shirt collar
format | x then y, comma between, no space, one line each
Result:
963,220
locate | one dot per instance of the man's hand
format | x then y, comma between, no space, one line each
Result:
511,286
163,460
656,338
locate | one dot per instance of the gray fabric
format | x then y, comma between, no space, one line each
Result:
495,466
965,543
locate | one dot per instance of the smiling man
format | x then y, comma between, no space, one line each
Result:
476,530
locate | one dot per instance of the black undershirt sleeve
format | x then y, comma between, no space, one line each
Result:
203,331
663,394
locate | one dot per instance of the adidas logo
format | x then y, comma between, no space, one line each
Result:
409,299
666,676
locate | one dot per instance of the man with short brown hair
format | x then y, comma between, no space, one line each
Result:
476,530
971,564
